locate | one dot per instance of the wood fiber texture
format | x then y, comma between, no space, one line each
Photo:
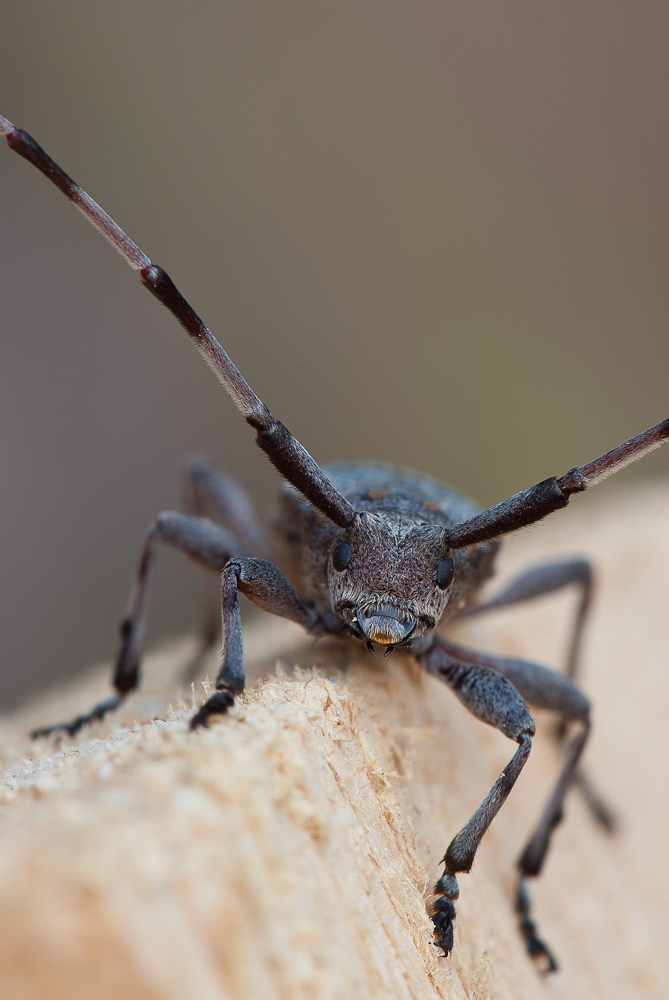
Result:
287,852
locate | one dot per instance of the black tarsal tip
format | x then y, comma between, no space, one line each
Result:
217,704
369,646
389,650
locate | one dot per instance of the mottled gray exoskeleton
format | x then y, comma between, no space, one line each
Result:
375,552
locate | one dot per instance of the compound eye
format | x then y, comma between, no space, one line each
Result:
341,555
445,573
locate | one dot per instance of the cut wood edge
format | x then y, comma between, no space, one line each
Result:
289,850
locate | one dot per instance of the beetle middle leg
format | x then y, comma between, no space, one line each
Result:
468,674
544,579
493,699
208,492
213,548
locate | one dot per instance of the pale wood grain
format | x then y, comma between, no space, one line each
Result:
287,851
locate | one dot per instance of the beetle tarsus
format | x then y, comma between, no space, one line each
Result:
218,704
442,915
536,948
442,911
73,727
599,808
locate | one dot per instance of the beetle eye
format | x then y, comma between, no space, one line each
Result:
341,555
445,573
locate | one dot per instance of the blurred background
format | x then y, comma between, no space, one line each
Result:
434,234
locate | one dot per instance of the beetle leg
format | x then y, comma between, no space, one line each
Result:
537,582
532,859
209,492
542,688
493,699
264,585
546,579
206,544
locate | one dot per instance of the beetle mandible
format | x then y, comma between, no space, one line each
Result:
378,553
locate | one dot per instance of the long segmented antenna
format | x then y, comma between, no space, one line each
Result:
532,505
285,452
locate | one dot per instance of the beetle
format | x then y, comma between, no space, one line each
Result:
375,552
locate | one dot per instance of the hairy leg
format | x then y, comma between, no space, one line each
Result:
542,688
493,699
210,493
212,548
539,581
548,578
264,585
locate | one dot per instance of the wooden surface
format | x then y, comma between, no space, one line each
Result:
287,852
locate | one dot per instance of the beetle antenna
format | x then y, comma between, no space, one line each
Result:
532,505
285,452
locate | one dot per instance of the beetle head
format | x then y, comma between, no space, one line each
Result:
389,580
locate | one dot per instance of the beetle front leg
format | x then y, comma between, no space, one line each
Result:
462,849
264,585
230,679
542,688
538,582
493,699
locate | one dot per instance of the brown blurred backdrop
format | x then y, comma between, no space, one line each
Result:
430,233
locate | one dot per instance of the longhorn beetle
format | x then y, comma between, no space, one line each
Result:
378,553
